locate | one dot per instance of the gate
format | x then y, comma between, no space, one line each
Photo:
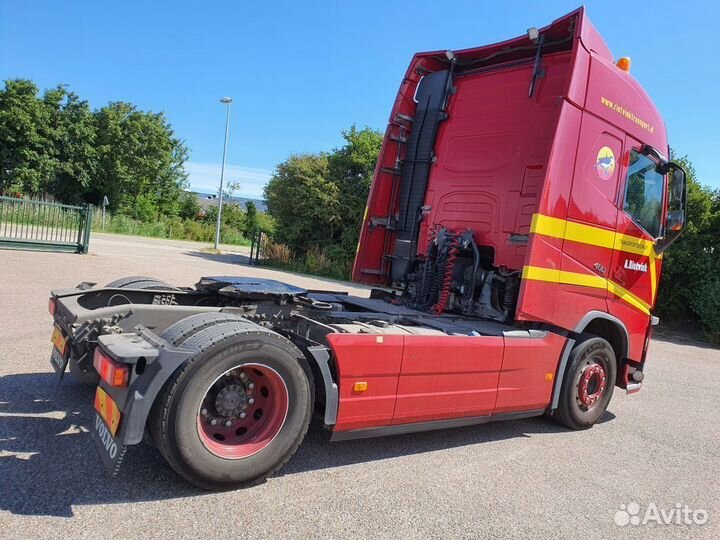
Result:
39,225
257,244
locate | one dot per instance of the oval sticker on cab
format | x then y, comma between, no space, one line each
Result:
605,163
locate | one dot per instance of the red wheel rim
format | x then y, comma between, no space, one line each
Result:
242,411
593,383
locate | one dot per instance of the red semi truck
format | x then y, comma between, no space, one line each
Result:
515,228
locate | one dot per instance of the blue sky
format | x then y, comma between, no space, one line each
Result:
299,72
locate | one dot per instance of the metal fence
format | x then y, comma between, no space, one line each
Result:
257,247
29,224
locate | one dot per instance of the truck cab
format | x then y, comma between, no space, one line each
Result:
538,167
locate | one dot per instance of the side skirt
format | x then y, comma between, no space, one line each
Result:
402,429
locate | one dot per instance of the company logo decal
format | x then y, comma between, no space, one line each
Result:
633,265
605,163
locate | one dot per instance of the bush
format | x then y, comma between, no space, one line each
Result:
276,254
317,261
689,294
143,208
156,229
317,202
173,227
189,207
119,224
200,232
707,306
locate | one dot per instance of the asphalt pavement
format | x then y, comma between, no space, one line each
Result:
654,457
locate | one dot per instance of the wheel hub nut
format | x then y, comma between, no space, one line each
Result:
231,400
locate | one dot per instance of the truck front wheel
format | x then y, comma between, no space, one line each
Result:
588,383
236,411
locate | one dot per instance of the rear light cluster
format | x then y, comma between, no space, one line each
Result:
110,371
52,306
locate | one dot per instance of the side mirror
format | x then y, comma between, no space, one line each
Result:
675,221
676,206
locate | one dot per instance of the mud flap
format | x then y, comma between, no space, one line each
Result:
110,451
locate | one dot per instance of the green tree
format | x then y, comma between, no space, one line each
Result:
75,149
189,207
251,219
230,188
28,159
232,215
55,144
304,202
317,201
351,168
138,156
689,293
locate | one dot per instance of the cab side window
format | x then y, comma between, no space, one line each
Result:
644,193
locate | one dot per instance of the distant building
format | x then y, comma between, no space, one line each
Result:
210,199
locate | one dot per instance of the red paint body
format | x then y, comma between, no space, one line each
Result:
503,160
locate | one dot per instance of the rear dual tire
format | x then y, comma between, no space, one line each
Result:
140,282
214,457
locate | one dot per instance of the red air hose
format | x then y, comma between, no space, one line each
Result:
444,294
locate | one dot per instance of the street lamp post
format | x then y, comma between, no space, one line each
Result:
227,101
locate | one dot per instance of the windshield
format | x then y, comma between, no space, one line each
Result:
644,193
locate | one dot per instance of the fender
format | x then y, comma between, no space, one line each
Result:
321,357
579,328
137,400
161,360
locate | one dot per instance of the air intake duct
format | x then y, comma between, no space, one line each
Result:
430,97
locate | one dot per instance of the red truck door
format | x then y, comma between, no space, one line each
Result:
591,220
635,266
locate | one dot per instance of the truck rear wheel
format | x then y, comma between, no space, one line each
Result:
179,332
140,282
588,383
237,410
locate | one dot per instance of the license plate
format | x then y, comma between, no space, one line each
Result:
59,356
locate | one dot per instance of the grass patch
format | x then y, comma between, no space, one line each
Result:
170,228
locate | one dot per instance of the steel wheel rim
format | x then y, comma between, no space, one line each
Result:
591,385
247,419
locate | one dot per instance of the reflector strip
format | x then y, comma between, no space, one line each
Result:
594,236
107,409
551,275
597,236
58,340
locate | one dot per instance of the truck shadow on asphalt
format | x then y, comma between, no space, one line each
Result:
48,462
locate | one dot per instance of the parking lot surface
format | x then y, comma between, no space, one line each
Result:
524,479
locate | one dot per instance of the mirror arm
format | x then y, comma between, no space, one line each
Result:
653,152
